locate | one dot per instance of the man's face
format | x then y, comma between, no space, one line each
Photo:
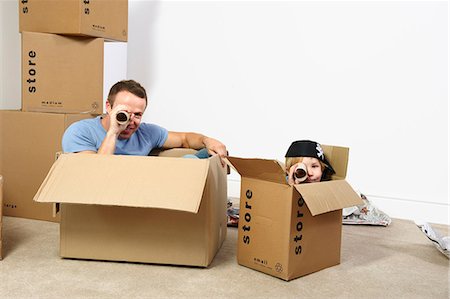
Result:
135,106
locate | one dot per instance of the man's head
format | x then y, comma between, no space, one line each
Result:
127,85
127,96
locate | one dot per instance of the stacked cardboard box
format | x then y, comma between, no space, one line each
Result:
93,18
63,67
29,143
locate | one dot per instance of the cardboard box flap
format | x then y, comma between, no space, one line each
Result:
133,181
338,158
329,196
262,169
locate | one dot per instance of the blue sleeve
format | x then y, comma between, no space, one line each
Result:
78,138
162,140
158,135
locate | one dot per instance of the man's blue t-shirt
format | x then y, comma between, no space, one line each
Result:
88,135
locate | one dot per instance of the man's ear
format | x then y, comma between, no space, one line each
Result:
108,106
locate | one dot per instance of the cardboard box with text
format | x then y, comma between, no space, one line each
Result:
163,210
62,74
28,142
96,18
290,231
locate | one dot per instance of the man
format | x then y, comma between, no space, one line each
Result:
105,135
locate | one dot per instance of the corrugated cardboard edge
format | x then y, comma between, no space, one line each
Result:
216,171
1,216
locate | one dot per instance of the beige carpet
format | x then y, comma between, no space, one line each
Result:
377,262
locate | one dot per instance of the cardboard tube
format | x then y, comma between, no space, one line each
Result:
122,117
300,173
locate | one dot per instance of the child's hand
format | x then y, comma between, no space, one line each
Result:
298,173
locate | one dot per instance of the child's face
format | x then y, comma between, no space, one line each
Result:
313,167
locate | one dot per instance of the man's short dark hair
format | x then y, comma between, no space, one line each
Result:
127,85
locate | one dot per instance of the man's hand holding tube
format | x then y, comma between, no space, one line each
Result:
114,126
108,145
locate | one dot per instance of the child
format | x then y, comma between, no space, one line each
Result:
306,162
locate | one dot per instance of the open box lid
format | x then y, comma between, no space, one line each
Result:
338,158
328,196
133,181
261,169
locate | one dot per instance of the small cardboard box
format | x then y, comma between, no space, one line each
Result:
62,74
28,143
161,210
96,18
290,231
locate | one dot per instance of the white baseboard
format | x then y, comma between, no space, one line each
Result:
412,210
396,208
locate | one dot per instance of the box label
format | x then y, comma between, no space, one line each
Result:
247,217
31,71
24,6
299,226
87,9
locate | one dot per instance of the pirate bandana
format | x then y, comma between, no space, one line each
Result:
308,148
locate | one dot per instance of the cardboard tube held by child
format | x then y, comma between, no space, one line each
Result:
300,173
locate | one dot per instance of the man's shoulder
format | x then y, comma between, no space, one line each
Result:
149,128
86,122
84,126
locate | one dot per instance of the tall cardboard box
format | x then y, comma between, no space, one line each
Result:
62,74
163,210
97,18
28,142
290,231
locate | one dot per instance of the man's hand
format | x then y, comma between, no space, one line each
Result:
196,141
114,127
215,147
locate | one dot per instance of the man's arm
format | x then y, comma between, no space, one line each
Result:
108,146
195,141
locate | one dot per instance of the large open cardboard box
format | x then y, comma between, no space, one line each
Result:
163,210
290,231
28,143
97,18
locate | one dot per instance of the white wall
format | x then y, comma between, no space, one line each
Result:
258,75
10,50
